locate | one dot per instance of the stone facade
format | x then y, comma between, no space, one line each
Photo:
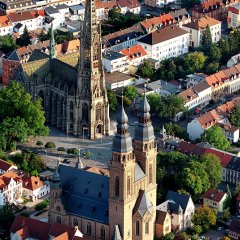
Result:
73,90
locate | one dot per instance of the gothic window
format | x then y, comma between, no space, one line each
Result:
102,232
89,229
145,147
117,186
150,173
98,111
147,228
71,105
71,116
129,185
137,227
85,112
75,222
58,208
58,219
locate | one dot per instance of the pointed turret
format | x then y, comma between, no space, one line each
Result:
117,235
56,180
122,141
144,131
53,53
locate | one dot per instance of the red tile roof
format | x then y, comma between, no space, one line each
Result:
5,166
32,183
134,52
189,148
129,4
4,21
207,6
6,178
105,4
214,195
20,16
216,79
38,13
224,157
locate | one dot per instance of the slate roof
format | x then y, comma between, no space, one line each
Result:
179,13
162,35
160,216
117,235
139,174
85,193
112,55
181,199
51,10
234,164
5,165
235,226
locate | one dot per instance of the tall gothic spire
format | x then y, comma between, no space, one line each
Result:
144,130
53,53
122,141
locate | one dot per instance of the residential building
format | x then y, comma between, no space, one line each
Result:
233,170
233,60
217,9
214,198
163,88
118,80
29,228
163,223
165,43
122,39
103,7
180,207
180,16
234,229
193,79
77,12
196,30
155,23
10,188
115,61
165,3
6,26
33,188
234,16
231,132
136,56
132,6
6,166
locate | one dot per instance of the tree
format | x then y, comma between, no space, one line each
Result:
130,92
146,70
237,188
169,236
213,52
39,143
112,100
20,117
205,217
189,3
73,151
50,145
216,137
24,39
7,216
154,100
170,105
194,61
176,130
7,44
226,214
212,68
207,37
225,49
113,14
126,101
234,116
213,168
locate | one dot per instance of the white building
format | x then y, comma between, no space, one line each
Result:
129,6
193,79
180,207
196,30
114,61
233,60
163,3
6,166
165,43
34,188
103,7
10,188
6,26
77,12
163,88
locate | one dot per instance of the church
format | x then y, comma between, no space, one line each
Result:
72,87
121,206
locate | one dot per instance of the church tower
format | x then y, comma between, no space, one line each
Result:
92,103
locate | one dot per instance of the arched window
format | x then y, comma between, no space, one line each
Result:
129,185
75,222
71,116
147,228
58,219
150,173
89,229
117,186
98,111
137,227
102,232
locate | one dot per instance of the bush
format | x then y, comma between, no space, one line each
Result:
50,145
61,149
73,151
39,143
42,205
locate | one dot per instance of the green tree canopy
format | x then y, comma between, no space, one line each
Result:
146,70
24,39
112,100
207,37
216,137
194,61
205,217
154,100
20,117
169,236
176,130
7,43
234,116
130,92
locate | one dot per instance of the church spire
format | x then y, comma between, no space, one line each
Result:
122,141
52,44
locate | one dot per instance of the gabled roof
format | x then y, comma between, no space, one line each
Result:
162,35
134,52
188,95
20,16
5,166
160,216
117,234
208,6
32,183
189,148
181,199
129,4
179,13
4,21
214,195
139,174
6,178
105,4
235,226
